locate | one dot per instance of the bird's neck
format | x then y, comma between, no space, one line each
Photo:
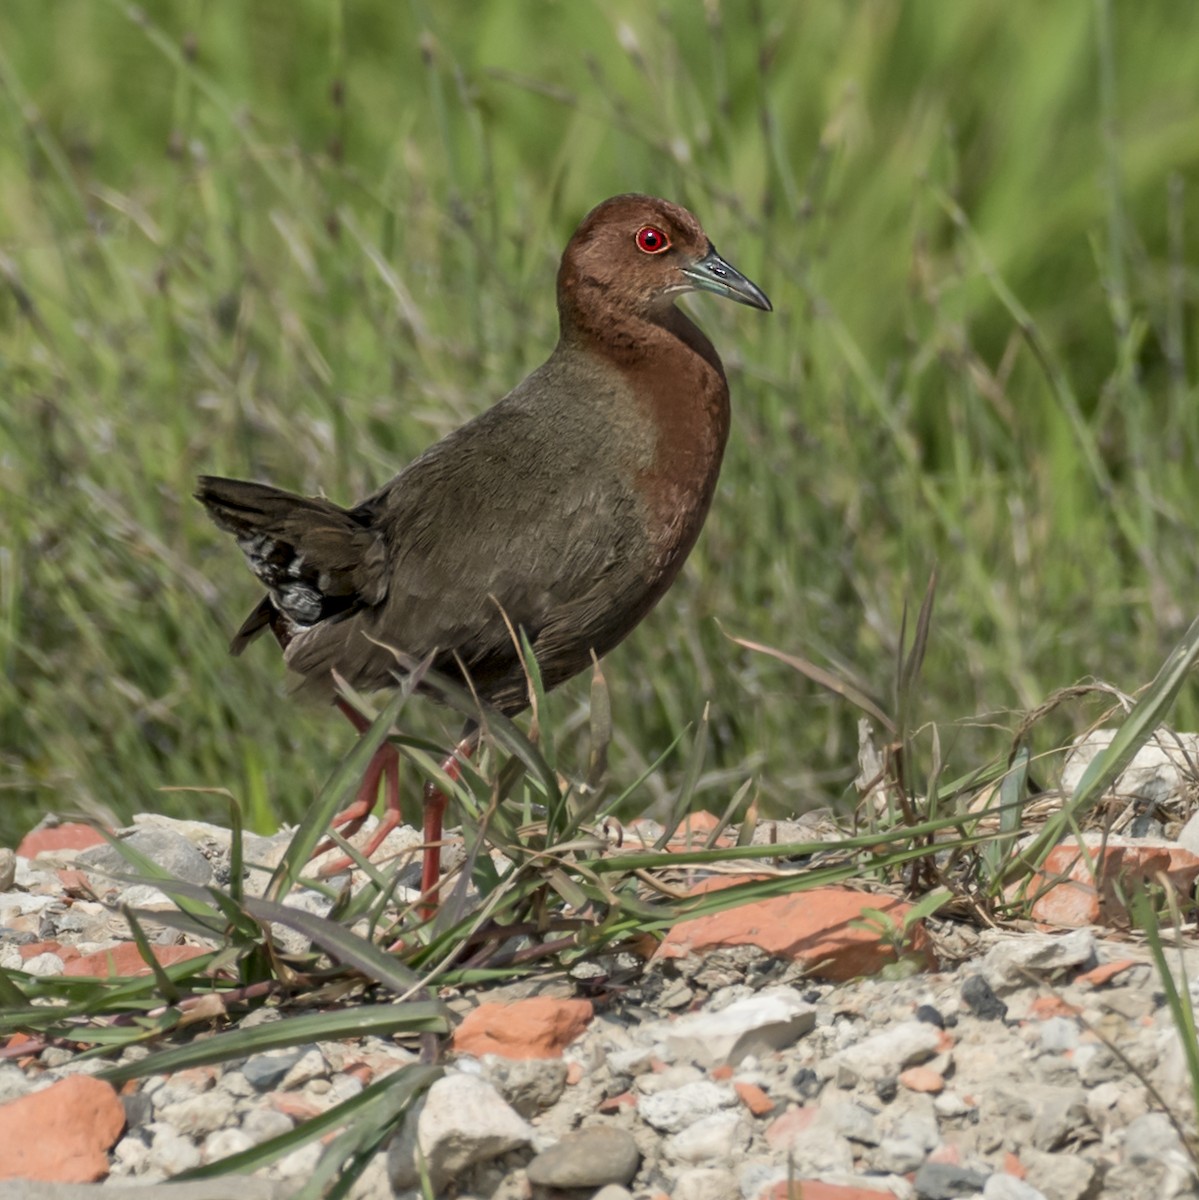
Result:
676,386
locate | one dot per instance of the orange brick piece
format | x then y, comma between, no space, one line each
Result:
61,1134
540,1027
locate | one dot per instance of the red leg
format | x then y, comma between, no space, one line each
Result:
435,802
385,765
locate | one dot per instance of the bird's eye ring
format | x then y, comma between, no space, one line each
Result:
651,240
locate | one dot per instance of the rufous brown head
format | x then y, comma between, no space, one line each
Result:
637,255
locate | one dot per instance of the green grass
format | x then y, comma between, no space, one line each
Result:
976,222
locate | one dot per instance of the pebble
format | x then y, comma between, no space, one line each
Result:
720,1137
460,1121
168,849
588,1158
266,1071
675,1108
758,1024
945,1181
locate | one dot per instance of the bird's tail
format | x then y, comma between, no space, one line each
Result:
316,559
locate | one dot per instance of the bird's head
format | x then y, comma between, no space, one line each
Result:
636,255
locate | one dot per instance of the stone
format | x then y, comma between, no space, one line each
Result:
310,1066
890,1051
980,998
530,1085
1014,962
242,1186
1061,1114
266,1070
197,1115
1159,772
262,1124
946,1181
773,1019
221,1143
809,1139
8,868
676,1108
613,1191
170,1152
817,1189
720,1137
61,1133
1058,1034
704,1183
539,1027
588,1158
459,1122
1188,835
815,927
1152,1138
164,847
1008,1187
1059,1176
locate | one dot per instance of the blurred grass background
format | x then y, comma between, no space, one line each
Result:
298,240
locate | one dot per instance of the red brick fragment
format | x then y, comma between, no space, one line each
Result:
61,1134
818,927
540,1027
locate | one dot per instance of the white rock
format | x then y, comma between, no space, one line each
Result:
890,1051
854,1122
633,1060
262,1124
1157,774
43,964
146,897
899,1155
460,1121
704,1183
665,1081
305,900
1058,1034
1060,1176
1010,963
1152,1138
1188,835
169,1152
1101,1103
676,1108
770,1020
888,1187
224,1142
8,868
908,1140
311,1065
132,1155
718,1138
197,1115
756,1175
1061,1115
950,1104
300,1163
1008,1187
530,1085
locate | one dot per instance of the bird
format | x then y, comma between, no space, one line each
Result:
563,512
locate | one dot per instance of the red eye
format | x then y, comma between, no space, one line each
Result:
651,240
